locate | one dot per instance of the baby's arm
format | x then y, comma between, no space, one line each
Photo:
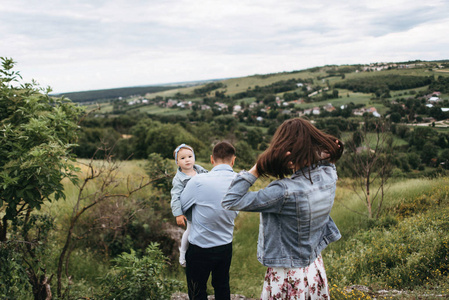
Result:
181,220
175,203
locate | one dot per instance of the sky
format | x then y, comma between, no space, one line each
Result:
79,45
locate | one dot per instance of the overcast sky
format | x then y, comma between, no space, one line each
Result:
76,45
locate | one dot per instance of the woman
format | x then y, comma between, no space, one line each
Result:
295,225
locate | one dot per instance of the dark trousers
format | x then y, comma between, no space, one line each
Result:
200,263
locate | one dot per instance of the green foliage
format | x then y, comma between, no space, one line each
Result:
281,86
23,260
114,93
440,85
343,124
208,88
254,137
407,248
139,278
382,84
154,137
246,273
338,293
37,133
157,167
91,139
246,157
13,277
415,251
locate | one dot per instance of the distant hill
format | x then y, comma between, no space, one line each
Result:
95,95
241,87
106,94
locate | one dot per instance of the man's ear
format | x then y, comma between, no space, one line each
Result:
212,160
233,161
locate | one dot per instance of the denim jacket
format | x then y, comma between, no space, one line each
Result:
179,183
295,225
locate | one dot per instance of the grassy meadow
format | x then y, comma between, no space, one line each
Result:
407,248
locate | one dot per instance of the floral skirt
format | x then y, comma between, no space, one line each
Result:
296,283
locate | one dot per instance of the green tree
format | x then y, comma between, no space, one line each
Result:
333,130
414,160
357,138
429,153
395,117
164,138
420,135
254,137
37,133
245,155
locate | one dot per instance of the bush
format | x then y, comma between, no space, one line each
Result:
139,278
13,277
414,252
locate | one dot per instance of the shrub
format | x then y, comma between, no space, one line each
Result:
414,252
139,278
13,278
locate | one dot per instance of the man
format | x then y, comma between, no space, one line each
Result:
210,239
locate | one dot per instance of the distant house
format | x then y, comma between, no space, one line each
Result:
299,101
181,104
434,99
221,106
184,104
358,112
307,111
300,84
316,110
171,102
329,107
278,101
253,104
361,111
237,108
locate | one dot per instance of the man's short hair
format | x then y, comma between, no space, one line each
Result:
223,151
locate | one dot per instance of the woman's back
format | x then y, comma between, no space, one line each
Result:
295,224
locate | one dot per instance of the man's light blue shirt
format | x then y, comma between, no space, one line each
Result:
212,225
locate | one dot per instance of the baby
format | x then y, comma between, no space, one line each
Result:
185,159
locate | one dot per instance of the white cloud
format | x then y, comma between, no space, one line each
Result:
80,45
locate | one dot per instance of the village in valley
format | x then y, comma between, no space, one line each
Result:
311,93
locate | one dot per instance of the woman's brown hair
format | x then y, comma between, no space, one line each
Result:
307,146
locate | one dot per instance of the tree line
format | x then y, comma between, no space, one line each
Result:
383,83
